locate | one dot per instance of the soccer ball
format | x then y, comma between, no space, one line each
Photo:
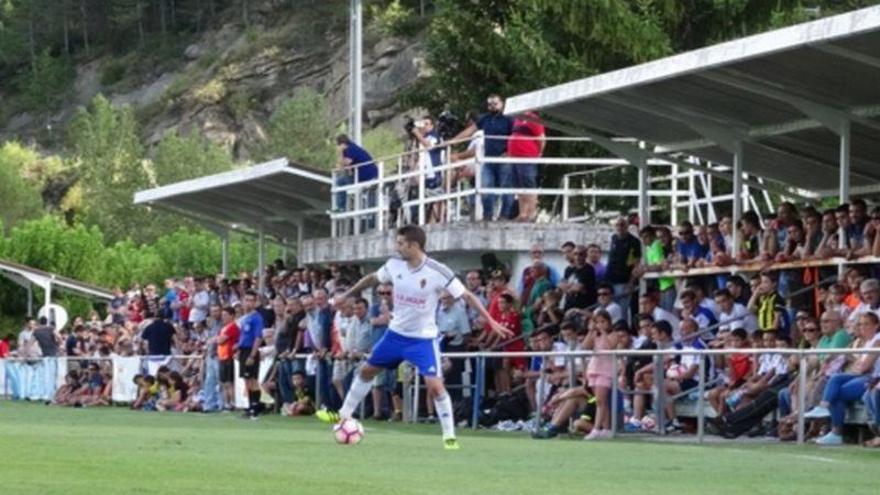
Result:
348,432
649,423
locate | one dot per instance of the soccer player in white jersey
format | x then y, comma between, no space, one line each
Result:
418,282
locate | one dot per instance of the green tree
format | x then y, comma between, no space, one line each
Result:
300,129
179,158
107,150
19,199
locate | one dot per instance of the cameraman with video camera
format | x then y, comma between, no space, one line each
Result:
430,157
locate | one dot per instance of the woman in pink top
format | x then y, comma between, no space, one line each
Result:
600,371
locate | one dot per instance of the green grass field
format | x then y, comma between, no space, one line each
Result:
47,450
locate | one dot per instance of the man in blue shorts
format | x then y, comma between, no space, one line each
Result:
418,283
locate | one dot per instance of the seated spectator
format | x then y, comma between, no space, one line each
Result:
70,388
644,377
835,301
176,393
147,393
772,371
869,295
304,403
648,306
605,297
736,372
693,310
732,314
844,388
527,278
526,142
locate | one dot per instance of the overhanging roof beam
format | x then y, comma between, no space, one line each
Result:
829,116
839,51
771,130
578,130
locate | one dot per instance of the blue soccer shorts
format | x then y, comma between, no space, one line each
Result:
394,348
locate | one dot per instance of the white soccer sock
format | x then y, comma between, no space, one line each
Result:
443,406
359,389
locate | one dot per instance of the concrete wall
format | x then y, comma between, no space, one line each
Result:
460,244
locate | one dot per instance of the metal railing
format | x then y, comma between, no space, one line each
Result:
478,387
399,194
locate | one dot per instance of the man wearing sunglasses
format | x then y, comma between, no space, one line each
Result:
497,127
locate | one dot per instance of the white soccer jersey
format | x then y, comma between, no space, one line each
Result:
417,294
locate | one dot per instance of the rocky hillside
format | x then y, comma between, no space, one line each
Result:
226,82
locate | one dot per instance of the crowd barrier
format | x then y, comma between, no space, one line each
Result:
39,378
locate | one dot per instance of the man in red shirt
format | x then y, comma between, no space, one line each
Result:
4,346
526,142
226,344
509,318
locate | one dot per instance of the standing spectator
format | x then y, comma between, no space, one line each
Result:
600,377
385,382
46,338
249,342
118,306
526,142
752,242
212,390
579,282
4,345
354,165
227,346
430,158
159,335
360,343
319,321
655,260
594,258
454,327
285,349
624,254
535,301
769,305
497,127
474,283
199,303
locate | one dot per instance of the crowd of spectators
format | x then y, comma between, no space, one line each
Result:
593,302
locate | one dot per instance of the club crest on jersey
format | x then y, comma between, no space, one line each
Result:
423,283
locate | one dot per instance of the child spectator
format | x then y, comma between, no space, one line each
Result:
600,372
303,403
772,371
227,342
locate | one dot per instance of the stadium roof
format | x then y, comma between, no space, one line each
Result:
26,276
786,95
274,196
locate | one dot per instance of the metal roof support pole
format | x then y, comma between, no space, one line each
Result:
48,295
284,252
299,242
30,301
644,198
261,261
224,254
674,212
737,192
355,61
845,142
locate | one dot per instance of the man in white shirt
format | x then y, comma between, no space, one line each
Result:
200,304
418,283
648,305
733,315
